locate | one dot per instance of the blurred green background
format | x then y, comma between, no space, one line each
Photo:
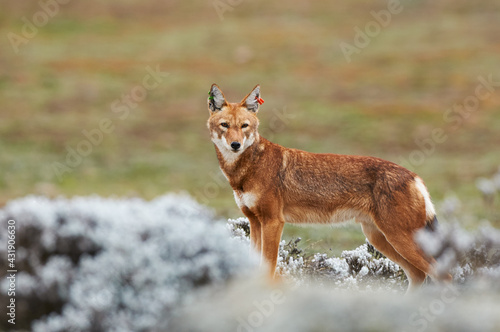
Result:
66,67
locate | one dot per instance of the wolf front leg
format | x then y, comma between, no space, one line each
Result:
255,234
255,229
271,236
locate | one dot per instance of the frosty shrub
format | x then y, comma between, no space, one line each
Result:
95,264
353,300
489,187
239,229
468,257
354,269
249,306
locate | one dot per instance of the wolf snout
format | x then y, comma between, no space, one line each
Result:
235,146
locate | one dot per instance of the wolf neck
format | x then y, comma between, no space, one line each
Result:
236,169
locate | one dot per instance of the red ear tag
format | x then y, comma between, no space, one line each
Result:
259,100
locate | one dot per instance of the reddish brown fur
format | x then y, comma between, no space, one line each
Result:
289,185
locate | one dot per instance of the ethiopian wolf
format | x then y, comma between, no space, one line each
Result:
273,185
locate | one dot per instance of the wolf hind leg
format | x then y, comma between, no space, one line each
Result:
415,276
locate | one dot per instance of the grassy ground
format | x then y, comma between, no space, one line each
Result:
394,92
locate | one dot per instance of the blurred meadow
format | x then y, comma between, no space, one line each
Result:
88,62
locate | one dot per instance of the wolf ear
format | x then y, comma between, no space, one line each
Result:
252,101
216,99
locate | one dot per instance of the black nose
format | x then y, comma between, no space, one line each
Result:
235,145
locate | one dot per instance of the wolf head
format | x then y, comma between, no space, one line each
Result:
233,126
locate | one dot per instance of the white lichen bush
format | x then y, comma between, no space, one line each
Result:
489,187
239,229
469,257
354,269
354,300
94,264
324,308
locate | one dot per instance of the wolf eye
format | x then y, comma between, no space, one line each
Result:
225,124
244,125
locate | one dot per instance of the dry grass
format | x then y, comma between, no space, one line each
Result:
396,90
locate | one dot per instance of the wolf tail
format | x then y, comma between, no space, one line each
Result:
431,222
432,225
